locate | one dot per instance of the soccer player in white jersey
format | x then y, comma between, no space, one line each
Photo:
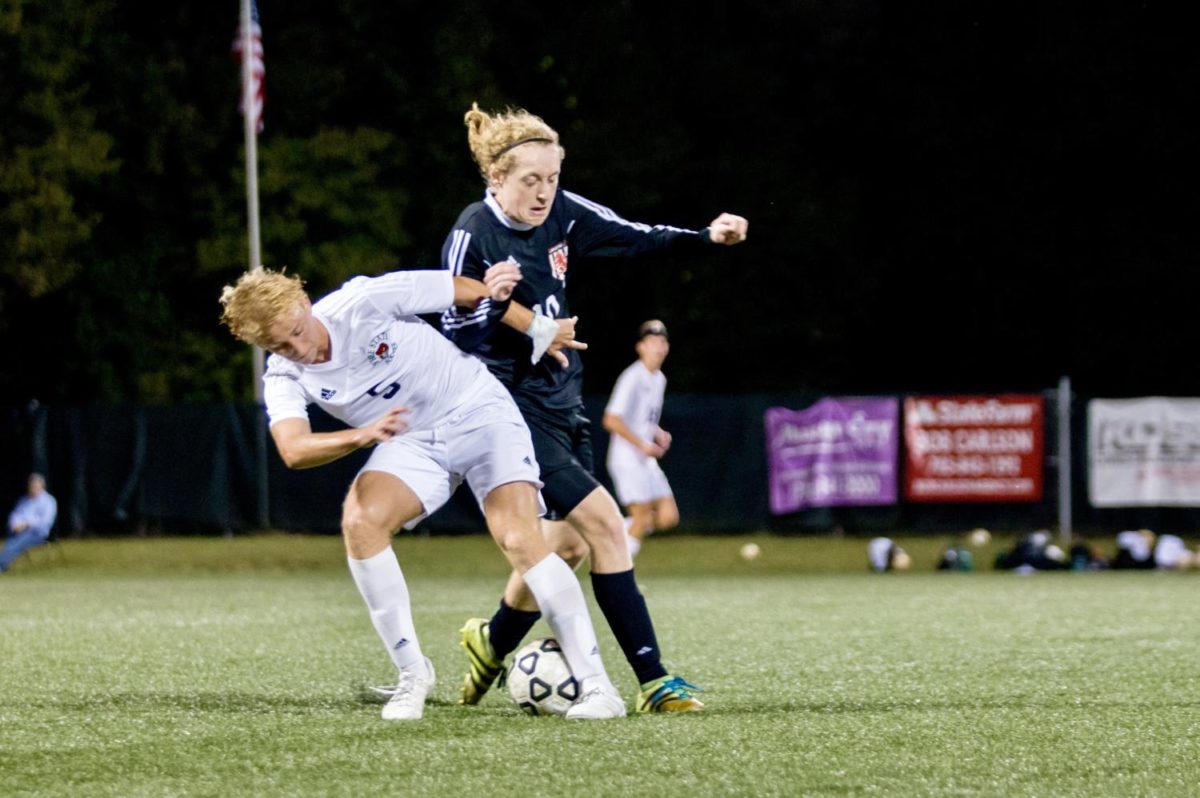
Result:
434,416
637,441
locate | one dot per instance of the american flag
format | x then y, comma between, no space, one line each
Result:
253,87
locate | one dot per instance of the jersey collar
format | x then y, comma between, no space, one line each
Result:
489,200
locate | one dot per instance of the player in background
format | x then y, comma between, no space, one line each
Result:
637,441
434,417
524,219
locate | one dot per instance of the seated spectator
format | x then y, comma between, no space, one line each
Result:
1135,549
1033,552
884,555
30,522
956,558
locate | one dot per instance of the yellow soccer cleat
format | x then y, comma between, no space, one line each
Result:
485,665
669,694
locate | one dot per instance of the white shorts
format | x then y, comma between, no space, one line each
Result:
639,481
486,443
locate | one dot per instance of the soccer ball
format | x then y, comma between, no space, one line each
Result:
540,681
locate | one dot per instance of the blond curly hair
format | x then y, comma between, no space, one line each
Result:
259,299
493,138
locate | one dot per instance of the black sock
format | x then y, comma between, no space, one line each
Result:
627,616
508,628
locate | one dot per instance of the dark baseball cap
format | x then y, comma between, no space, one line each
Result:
652,327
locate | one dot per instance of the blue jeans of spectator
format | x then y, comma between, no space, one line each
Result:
17,545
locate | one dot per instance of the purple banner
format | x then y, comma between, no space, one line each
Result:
839,452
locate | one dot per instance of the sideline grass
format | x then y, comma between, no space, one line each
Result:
235,667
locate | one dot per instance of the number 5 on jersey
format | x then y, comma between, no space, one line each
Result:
386,393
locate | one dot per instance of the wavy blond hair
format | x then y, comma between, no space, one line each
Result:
493,137
257,300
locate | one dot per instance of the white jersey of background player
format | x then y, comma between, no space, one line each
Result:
434,417
637,441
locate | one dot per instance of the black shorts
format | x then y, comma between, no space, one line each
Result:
562,441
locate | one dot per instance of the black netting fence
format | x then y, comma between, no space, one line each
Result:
126,469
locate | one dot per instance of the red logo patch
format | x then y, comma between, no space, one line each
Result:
558,261
380,349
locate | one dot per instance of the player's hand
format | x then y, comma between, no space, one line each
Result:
663,439
565,339
502,278
651,449
728,229
385,428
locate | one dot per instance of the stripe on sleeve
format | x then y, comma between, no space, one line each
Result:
452,319
610,215
459,241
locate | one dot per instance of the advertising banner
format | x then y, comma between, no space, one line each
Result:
973,448
1144,452
838,452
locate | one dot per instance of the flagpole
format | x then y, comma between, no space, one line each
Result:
250,130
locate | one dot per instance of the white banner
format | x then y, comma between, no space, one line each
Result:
1144,452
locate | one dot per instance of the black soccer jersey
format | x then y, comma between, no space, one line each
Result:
574,228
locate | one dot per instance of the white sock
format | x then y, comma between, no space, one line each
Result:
383,588
560,598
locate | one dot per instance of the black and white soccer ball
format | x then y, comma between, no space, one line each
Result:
540,681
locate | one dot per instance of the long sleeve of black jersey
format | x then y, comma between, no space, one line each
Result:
468,328
597,231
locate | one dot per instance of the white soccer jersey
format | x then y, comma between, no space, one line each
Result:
637,398
381,356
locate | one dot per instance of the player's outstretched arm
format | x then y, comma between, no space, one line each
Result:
300,447
498,284
728,229
481,296
502,278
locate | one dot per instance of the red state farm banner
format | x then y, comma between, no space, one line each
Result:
973,448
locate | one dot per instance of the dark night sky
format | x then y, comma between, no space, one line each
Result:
1031,167
958,197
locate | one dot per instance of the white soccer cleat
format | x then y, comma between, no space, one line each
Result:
406,701
598,703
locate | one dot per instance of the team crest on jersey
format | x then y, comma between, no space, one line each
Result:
558,260
380,350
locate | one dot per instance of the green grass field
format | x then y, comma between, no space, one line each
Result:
236,667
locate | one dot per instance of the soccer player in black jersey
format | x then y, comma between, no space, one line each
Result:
524,219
